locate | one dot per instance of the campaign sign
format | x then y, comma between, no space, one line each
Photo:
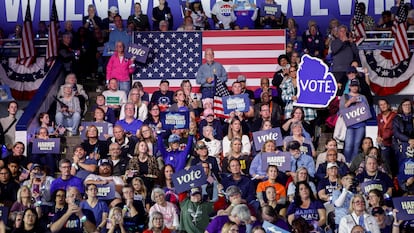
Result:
405,207
243,4
316,86
138,51
260,137
271,9
240,103
106,191
187,179
271,228
280,159
175,120
356,113
4,213
373,184
406,169
101,126
46,146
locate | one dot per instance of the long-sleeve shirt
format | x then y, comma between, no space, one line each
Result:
119,68
209,70
176,158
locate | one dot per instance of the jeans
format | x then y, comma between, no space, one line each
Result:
353,141
125,86
69,121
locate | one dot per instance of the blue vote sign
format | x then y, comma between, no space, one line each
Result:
187,179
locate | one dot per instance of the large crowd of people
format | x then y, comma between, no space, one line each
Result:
122,180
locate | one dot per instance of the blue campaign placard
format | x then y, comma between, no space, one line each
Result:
239,103
405,207
271,228
271,9
260,137
101,126
280,159
406,169
187,179
138,51
373,184
106,191
4,214
317,87
46,146
357,112
175,120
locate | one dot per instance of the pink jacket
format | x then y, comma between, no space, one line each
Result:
119,70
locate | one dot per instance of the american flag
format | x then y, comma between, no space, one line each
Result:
178,55
400,49
358,24
27,50
52,43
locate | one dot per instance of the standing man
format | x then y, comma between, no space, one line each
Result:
344,51
208,72
8,124
118,34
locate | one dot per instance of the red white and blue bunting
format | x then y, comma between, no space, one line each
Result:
385,78
23,81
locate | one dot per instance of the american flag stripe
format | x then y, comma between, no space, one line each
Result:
358,24
400,49
252,53
52,43
26,55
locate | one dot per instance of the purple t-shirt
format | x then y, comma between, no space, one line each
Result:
218,222
310,214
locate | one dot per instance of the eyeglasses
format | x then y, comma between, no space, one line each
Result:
292,71
358,202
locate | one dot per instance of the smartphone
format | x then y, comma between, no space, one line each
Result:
77,202
108,223
36,188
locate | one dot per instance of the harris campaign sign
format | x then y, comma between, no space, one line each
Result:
280,159
175,120
46,146
238,103
405,207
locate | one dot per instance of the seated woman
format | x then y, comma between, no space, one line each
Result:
298,115
99,208
143,165
236,131
328,184
49,159
256,169
236,153
68,111
168,210
147,135
279,190
94,148
329,144
156,223
30,222
306,145
109,115
306,206
301,175
77,90
181,104
166,183
141,110
24,201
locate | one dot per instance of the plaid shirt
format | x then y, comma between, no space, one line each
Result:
288,91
